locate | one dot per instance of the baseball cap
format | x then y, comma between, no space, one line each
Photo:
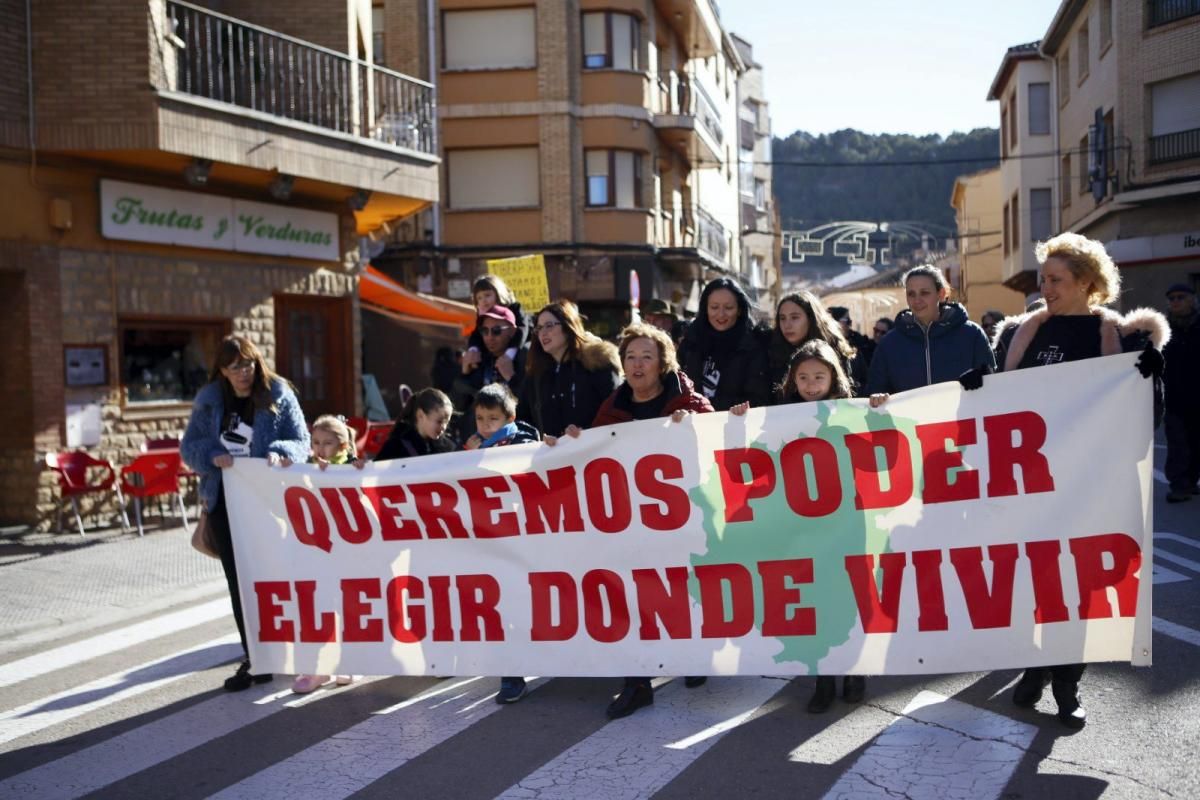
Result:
500,313
1180,287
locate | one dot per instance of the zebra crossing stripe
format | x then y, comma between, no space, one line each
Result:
64,706
636,757
1177,631
948,749
115,759
86,649
362,754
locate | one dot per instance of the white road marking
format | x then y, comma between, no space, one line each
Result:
115,759
362,754
1166,555
1161,477
1175,537
637,756
1177,631
1162,575
77,652
58,708
940,748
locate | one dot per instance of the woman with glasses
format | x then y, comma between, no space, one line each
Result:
245,410
570,372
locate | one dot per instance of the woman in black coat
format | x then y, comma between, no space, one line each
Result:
1078,278
722,352
569,372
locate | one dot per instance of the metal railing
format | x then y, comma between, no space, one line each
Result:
1175,146
707,115
229,61
710,235
674,93
1160,12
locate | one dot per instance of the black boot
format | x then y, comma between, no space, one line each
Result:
1070,712
242,679
822,697
633,696
1029,689
853,688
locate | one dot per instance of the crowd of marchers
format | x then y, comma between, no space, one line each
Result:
538,377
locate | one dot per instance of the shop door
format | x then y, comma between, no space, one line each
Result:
312,350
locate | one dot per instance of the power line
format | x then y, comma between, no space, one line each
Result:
921,162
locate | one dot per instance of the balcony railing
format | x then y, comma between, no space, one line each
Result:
679,94
1160,12
706,113
225,60
1175,146
710,235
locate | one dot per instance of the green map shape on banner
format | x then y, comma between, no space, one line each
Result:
826,540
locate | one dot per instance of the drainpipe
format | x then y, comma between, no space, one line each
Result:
431,25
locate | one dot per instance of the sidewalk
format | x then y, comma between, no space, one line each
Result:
55,584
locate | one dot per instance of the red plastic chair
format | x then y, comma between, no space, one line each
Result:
377,434
153,474
73,469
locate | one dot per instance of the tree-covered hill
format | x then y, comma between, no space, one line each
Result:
818,178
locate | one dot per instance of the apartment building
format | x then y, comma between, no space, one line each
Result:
980,209
1023,87
174,172
1126,83
601,134
760,215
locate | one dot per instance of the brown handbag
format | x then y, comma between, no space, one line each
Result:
203,540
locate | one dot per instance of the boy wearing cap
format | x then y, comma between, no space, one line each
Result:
1181,384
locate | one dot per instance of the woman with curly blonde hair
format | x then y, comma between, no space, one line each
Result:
1077,278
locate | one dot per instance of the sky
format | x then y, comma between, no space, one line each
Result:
882,66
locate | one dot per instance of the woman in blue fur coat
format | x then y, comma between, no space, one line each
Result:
245,410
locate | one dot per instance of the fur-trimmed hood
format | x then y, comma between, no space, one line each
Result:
597,354
1016,333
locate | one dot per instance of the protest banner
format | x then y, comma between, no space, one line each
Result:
526,276
946,531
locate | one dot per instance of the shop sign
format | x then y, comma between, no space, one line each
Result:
1154,248
139,213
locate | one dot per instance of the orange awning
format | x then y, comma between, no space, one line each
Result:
378,290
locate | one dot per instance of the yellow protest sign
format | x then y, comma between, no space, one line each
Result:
526,276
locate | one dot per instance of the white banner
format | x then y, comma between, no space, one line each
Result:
166,216
946,531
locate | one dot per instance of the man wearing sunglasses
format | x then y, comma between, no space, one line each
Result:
498,327
1181,385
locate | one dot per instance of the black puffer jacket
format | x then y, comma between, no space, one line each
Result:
573,392
744,377
406,442
1181,378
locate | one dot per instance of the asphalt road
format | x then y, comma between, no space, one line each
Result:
129,705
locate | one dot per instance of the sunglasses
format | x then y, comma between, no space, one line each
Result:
498,330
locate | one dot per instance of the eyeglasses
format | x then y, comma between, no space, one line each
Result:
495,331
241,366
547,326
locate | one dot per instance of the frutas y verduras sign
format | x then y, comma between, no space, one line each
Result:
947,531
139,213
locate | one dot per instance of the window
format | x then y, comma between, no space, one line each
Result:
1082,51
1003,130
1085,155
1015,209
1012,121
1040,202
760,195
1039,109
502,177
1106,12
378,42
166,361
611,41
1110,156
1007,230
1065,186
1175,119
490,39
1064,78
614,178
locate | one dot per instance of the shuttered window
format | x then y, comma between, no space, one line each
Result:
490,39
504,177
1039,109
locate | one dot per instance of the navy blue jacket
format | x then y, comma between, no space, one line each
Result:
909,356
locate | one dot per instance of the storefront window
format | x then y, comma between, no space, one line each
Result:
167,361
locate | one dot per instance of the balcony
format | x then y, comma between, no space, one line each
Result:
687,118
710,237
1175,146
1161,12
697,22
236,64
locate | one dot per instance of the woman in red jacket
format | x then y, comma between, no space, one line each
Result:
654,387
